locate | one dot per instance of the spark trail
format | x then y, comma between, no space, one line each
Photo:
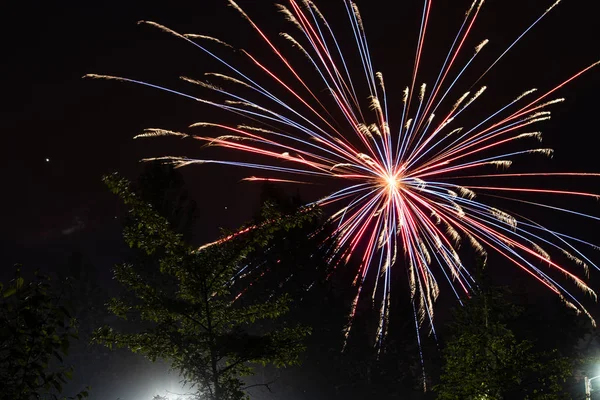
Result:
406,191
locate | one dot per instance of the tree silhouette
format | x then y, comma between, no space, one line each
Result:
193,320
35,334
484,359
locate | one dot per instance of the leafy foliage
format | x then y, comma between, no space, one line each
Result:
485,360
35,334
193,318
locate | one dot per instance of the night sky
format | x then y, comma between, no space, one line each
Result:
61,133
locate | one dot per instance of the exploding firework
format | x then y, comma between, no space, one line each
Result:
407,192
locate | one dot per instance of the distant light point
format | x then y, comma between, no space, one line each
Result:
47,160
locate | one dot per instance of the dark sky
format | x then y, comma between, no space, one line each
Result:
85,128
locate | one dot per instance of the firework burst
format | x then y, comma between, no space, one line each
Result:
407,191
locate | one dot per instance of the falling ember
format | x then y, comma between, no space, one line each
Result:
406,189
272,180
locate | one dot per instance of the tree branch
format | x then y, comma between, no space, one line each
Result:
267,385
